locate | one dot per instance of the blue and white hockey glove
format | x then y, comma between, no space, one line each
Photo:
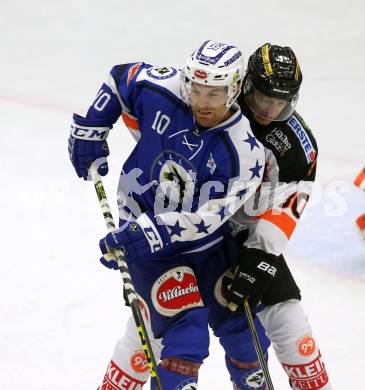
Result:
87,143
140,239
254,272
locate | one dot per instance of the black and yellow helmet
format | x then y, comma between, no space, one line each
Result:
274,70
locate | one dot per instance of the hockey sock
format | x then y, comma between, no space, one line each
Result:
178,374
245,375
117,379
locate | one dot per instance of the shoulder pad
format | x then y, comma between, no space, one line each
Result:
126,71
163,77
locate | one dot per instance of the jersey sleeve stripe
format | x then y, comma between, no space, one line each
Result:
280,219
132,71
130,121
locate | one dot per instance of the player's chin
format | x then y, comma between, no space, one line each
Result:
205,120
262,120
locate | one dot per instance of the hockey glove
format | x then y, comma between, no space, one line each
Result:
87,143
140,239
255,270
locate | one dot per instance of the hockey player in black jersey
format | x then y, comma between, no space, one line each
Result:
269,97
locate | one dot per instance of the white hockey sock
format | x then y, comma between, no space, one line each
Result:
128,368
288,329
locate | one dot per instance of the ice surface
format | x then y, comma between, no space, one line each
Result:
61,312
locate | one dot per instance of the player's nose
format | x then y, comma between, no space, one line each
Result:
203,102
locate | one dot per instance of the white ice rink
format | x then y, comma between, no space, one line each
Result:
61,311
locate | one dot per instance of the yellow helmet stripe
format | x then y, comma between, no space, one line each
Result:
266,60
297,70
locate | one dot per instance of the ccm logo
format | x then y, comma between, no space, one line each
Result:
270,269
93,134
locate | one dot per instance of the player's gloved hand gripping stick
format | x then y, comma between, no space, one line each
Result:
127,282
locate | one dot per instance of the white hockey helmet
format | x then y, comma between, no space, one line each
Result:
214,64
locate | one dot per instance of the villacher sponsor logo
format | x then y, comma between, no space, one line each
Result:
176,290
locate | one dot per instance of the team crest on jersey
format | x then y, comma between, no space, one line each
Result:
188,384
176,176
176,290
161,72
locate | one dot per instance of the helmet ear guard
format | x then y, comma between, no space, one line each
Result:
233,93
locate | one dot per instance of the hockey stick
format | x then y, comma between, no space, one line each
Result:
256,341
257,345
127,281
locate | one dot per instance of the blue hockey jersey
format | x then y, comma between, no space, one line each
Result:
191,180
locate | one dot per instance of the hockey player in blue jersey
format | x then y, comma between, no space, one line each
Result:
270,92
198,162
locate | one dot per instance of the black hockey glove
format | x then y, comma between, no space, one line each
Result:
254,271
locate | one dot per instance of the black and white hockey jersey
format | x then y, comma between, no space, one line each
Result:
290,169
